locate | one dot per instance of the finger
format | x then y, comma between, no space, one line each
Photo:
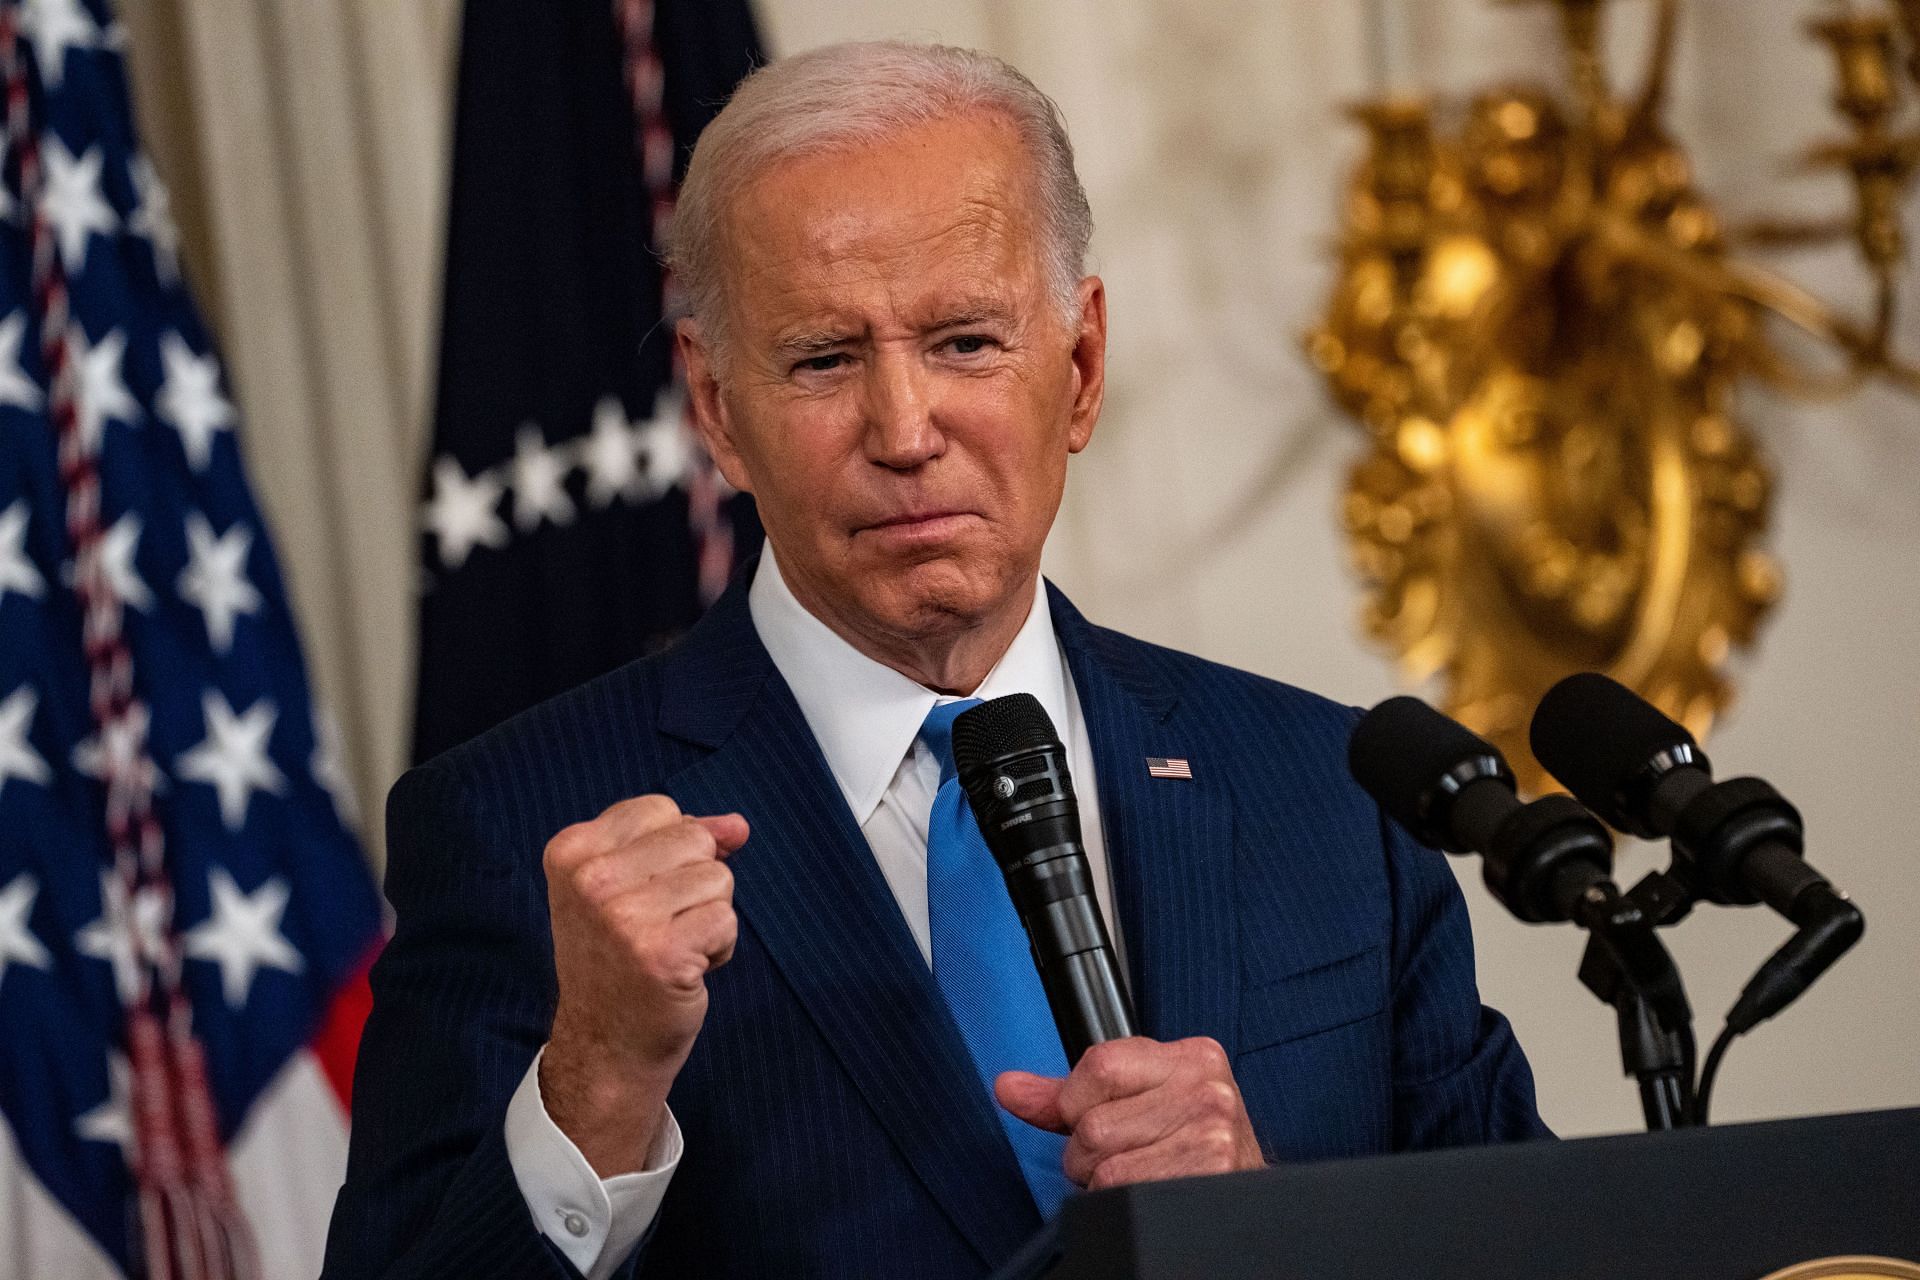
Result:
690,885
729,831
1116,1069
1127,1124
617,825
710,929
635,817
627,868
686,841
1188,1152
1034,1099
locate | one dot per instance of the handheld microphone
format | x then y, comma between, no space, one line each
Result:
1013,768
1735,842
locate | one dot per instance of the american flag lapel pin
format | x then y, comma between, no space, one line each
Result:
1169,767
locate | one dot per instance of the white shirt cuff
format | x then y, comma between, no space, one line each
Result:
595,1222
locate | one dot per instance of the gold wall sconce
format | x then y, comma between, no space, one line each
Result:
1541,321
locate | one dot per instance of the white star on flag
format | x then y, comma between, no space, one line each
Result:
72,202
18,759
17,571
539,482
55,26
215,579
329,768
128,935
461,514
112,1120
611,455
232,758
190,398
116,549
125,751
243,934
103,391
669,451
16,388
17,943
152,219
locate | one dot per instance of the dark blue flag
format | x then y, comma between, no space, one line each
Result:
571,522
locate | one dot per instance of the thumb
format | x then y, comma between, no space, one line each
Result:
729,831
1035,1099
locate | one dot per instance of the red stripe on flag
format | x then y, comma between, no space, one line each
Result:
337,1045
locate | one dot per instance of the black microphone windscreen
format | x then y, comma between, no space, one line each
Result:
1401,750
993,729
1596,735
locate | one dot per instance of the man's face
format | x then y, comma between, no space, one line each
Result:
899,390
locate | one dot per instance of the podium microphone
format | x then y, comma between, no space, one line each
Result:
1452,789
1013,768
1735,842
1548,860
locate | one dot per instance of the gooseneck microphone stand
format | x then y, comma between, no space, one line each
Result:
1627,966
1628,765
1735,842
1545,861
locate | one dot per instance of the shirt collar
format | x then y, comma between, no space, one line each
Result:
864,714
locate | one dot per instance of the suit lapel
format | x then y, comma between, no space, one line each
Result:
807,884
1169,842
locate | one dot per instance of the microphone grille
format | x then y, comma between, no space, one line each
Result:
1596,736
1400,751
1000,727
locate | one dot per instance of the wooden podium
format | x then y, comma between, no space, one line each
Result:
1734,1203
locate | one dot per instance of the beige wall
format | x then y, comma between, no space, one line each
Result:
1203,516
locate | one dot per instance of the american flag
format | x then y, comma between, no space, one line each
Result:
1168,767
185,917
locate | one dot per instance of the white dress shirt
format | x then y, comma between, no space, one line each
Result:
866,717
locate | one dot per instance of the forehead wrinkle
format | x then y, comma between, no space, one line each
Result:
811,271
819,309
973,234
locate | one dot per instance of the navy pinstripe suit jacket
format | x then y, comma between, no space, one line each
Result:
834,1125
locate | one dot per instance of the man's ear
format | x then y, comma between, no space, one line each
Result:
710,416
1089,364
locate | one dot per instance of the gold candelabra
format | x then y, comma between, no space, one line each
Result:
1542,321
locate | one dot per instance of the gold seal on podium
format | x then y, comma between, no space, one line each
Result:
1858,1267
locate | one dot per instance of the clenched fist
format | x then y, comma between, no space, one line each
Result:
642,908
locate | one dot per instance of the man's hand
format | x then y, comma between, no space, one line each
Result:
1137,1110
642,909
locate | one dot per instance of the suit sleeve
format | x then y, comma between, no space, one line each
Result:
462,1000
1459,1076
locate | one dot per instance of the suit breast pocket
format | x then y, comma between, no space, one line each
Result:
1321,998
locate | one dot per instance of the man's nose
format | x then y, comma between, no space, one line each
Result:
900,428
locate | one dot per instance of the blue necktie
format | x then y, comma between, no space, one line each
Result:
983,966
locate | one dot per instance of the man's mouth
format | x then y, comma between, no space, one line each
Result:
915,517
930,525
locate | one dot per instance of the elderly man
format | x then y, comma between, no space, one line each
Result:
671,982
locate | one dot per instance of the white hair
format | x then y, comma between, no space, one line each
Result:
845,96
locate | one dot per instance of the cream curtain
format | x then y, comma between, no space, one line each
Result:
306,144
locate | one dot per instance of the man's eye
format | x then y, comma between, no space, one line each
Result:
968,344
821,364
